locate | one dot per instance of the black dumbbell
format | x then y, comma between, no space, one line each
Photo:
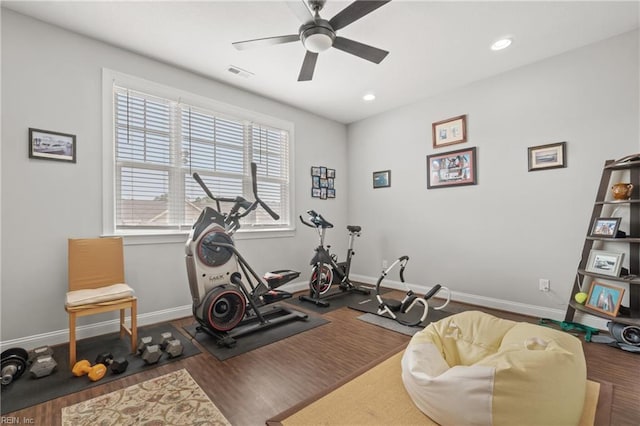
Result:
13,364
116,365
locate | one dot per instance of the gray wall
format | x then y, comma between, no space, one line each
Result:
490,243
51,79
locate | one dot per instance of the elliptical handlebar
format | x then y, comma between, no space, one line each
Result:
239,202
254,172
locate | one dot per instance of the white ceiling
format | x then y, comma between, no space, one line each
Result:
434,46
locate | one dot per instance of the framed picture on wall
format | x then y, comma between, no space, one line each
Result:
47,145
449,131
550,156
382,179
453,168
604,298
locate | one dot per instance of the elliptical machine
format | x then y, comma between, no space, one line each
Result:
326,269
398,309
224,306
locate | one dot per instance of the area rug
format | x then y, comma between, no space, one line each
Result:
27,391
254,340
375,395
172,399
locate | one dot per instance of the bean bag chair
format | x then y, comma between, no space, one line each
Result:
475,369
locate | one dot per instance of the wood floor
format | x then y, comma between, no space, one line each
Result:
251,388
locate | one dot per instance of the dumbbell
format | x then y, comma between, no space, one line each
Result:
43,366
38,352
13,364
116,365
95,372
42,362
149,351
173,347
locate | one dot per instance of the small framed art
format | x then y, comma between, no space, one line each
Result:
382,179
453,168
47,145
550,156
605,227
605,262
449,131
604,298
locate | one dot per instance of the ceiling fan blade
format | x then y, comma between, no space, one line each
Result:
363,51
308,66
268,41
355,11
301,10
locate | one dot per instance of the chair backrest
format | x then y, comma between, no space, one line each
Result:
95,262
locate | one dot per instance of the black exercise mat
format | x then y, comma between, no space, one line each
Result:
27,391
370,305
256,339
340,300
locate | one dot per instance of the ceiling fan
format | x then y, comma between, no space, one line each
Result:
318,35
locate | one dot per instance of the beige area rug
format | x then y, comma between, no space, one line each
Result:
172,399
376,397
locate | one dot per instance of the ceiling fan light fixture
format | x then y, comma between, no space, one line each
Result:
317,39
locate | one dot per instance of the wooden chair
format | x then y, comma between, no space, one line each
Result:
96,285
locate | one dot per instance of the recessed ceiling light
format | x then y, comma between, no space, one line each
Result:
503,43
369,97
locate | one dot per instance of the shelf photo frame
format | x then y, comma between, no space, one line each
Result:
604,298
450,131
605,227
605,262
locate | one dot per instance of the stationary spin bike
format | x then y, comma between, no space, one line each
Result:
225,304
399,309
326,269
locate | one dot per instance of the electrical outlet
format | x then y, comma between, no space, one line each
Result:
544,284
385,264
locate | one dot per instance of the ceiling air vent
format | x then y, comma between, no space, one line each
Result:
239,71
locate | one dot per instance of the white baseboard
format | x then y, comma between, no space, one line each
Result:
91,330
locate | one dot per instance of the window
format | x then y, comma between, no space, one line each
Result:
159,141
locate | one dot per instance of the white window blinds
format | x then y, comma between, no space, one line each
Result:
160,143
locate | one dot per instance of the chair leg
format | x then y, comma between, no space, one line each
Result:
123,326
72,339
134,326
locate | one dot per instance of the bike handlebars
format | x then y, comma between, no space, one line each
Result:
317,221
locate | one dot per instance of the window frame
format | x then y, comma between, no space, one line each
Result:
140,236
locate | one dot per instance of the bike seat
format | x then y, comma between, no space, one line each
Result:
354,228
